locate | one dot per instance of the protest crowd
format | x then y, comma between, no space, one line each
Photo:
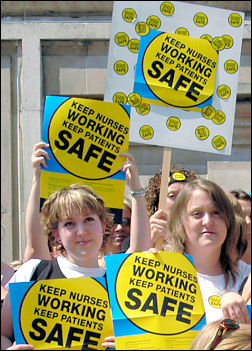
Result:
200,220
184,239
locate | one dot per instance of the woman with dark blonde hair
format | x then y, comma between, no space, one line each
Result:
203,224
223,335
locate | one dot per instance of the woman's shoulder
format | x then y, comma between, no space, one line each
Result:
25,271
243,268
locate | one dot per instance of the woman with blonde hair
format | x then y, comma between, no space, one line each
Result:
77,218
203,224
223,335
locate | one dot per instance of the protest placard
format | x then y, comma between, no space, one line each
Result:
155,299
61,314
188,64
86,137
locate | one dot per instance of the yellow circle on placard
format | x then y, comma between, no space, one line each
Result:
129,15
202,132
121,39
143,108
153,22
146,132
207,37
200,19
121,67
133,45
162,287
208,112
167,8
142,28
182,31
223,91
215,301
134,99
86,137
231,66
162,68
235,20
228,40
219,117
219,142
218,43
55,311
173,123
120,98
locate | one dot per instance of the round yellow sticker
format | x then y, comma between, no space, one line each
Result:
121,67
208,112
223,91
218,43
219,117
228,40
173,123
200,19
146,132
133,45
86,137
182,31
219,142
63,315
164,287
167,8
129,15
142,28
120,98
143,108
202,132
134,99
235,20
215,301
121,39
231,66
207,37
180,70
153,22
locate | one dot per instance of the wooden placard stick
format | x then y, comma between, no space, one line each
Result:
163,188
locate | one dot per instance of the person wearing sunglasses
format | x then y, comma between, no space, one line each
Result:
226,334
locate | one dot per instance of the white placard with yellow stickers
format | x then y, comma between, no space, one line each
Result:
177,65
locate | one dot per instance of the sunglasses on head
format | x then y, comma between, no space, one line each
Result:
226,324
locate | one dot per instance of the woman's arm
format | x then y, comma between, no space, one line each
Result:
140,225
234,307
37,242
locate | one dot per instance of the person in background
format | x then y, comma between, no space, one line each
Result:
117,235
223,335
6,273
120,231
179,176
203,224
242,241
245,202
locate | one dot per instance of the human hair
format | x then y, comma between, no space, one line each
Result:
242,242
228,257
153,188
65,201
239,339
